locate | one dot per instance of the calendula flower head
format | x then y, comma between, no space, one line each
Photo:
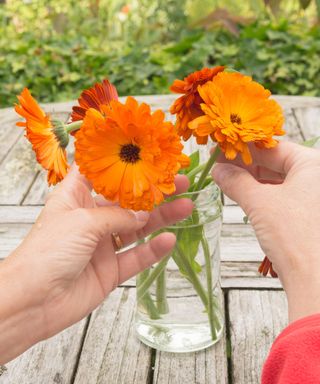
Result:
48,137
237,111
129,154
94,97
187,107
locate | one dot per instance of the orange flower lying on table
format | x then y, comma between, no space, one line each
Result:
129,154
48,137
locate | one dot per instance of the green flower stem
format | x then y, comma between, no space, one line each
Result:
183,264
145,281
192,276
206,170
146,300
207,257
150,307
73,126
161,293
195,171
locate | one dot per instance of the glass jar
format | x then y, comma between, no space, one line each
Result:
179,299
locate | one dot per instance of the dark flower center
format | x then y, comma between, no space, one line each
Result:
235,119
129,153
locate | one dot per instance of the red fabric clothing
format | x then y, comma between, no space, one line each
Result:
295,355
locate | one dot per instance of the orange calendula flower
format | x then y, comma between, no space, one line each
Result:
129,154
48,137
237,110
99,94
187,107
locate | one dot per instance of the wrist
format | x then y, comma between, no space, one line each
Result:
21,322
303,298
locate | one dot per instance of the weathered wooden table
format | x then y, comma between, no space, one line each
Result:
102,348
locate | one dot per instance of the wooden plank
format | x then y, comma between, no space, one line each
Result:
292,128
11,235
234,273
309,121
207,366
233,214
297,101
11,214
256,318
111,352
238,242
51,361
158,100
39,190
9,133
28,214
17,172
244,249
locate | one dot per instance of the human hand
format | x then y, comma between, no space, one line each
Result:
280,195
67,263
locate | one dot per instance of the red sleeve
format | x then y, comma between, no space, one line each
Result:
295,355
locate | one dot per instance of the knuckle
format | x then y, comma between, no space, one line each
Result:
84,216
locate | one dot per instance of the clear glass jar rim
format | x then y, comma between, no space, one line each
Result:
211,186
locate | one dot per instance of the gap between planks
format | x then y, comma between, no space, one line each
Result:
256,319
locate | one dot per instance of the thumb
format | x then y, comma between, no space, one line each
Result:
237,183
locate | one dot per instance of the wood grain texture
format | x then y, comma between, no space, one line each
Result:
238,242
52,361
11,235
11,214
292,128
256,318
38,191
309,121
9,133
111,352
28,214
235,273
17,172
204,367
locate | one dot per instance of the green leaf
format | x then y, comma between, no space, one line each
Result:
194,163
189,238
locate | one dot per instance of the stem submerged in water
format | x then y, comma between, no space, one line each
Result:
146,300
213,321
180,255
161,293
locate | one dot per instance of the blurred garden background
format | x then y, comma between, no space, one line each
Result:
59,47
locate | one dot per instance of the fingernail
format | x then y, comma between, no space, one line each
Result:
142,215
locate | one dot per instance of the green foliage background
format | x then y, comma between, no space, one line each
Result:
57,48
